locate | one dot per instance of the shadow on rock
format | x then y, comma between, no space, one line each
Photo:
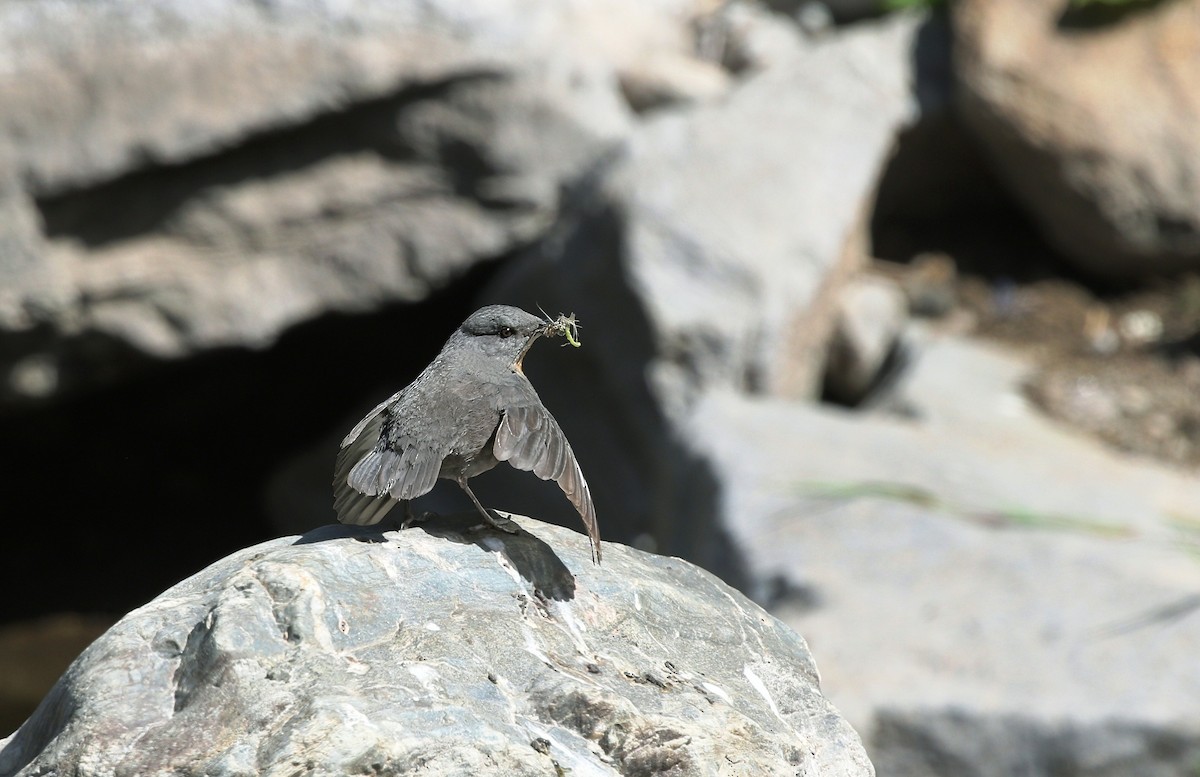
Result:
532,558
337,531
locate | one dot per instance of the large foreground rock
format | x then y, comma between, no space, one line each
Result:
439,650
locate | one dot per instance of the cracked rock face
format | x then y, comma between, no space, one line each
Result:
445,650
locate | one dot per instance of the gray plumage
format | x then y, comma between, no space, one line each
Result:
470,409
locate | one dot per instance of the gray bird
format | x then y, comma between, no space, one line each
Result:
470,409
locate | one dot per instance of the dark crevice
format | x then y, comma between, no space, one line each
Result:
195,663
938,194
143,201
132,487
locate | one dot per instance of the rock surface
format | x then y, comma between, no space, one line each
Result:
439,649
1093,128
989,593
735,258
176,178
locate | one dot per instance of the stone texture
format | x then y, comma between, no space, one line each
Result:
1093,128
989,593
438,649
177,177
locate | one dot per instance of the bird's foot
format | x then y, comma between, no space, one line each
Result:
500,522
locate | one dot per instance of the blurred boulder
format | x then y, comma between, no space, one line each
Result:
1092,127
870,319
445,650
738,222
176,178
990,593
661,81
930,284
969,744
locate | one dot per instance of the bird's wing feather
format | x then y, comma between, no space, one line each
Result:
372,419
378,465
361,510
529,439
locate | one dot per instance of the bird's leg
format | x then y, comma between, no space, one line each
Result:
503,524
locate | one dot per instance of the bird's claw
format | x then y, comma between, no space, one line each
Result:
507,525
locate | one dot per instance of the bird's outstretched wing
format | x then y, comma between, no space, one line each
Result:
529,439
379,465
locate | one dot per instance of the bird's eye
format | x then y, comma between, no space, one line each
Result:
506,331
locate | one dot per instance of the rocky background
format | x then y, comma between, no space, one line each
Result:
890,320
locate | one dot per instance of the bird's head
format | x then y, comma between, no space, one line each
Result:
502,331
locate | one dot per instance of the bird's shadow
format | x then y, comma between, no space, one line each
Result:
533,559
